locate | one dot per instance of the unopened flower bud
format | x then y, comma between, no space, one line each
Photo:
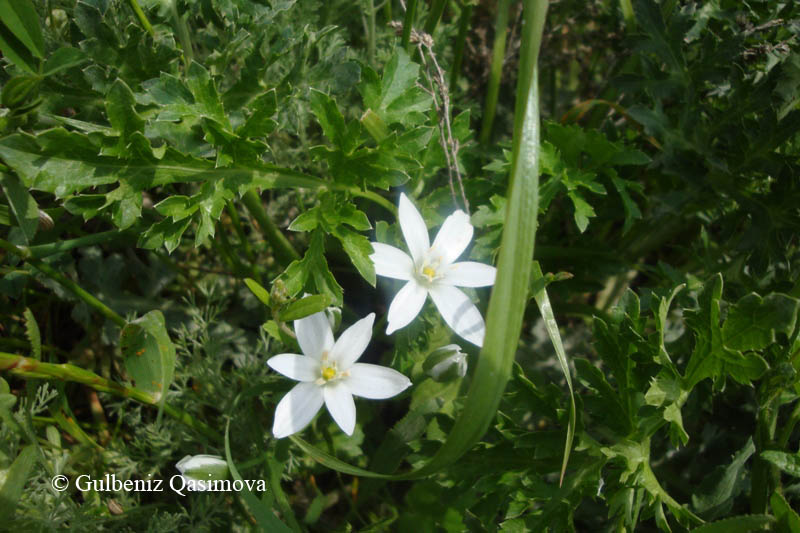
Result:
203,468
446,363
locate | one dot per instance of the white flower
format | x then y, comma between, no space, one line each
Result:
328,373
433,270
199,470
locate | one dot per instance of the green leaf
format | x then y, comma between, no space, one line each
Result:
738,524
149,355
63,163
23,205
314,266
787,517
304,307
62,59
20,17
710,358
16,52
753,321
264,516
19,91
789,463
358,249
260,122
395,97
15,480
583,211
178,207
721,486
550,323
331,120
33,334
121,111
260,292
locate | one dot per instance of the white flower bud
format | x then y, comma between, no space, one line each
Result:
446,363
203,467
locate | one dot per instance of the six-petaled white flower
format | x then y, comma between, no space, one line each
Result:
329,374
431,269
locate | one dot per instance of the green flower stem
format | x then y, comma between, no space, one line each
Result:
284,251
67,283
44,250
183,33
434,16
142,17
227,251
369,195
408,23
28,368
498,55
245,242
371,32
458,57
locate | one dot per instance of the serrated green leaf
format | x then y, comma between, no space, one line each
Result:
304,307
33,334
260,122
583,211
306,221
24,207
331,120
15,480
358,249
737,524
121,110
86,205
753,321
20,17
787,516
178,207
149,355
710,358
394,97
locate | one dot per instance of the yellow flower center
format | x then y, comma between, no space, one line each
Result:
328,373
429,273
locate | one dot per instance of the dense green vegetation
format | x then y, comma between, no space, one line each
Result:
193,188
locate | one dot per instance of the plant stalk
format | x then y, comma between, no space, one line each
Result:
67,283
284,251
28,368
137,9
498,55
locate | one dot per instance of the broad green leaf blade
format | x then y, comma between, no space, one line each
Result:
15,480
62,59
546,309
305,307
20,17
753,321
266,520
22,204
789,463
149,355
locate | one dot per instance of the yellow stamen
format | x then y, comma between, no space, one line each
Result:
428,272
328,373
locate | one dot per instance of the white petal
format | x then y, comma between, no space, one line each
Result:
459,312
406,305
391,262
414,229
339,402
352,343
299,367
296,409
314,334
375,382
470,274
453,237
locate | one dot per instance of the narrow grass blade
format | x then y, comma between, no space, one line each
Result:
555,337
498,55
264,518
